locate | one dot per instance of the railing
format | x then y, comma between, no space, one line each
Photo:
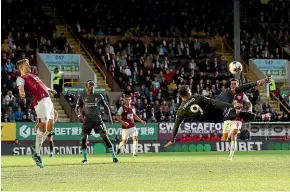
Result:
68,28
280,103
227,47
72,83
68,108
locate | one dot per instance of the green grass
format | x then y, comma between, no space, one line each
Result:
263,170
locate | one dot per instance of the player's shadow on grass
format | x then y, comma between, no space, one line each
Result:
70,164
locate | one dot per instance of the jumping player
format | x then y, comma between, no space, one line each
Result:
126,115
42,103
88,111
232,127
195,107
198,108
49,137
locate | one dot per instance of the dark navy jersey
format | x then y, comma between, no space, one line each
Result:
91,107
198,108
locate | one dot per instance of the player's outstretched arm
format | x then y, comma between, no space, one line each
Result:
245,87
177,123
106,107
248,86
211,103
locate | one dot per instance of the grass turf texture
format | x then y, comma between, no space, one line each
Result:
261,170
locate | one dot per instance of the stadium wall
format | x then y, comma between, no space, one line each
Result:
24,131
73,147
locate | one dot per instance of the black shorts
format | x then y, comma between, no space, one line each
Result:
87,128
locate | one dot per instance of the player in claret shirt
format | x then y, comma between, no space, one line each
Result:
127,116
32,85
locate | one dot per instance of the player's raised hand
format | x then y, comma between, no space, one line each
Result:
169,144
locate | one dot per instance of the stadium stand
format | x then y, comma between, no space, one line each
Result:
157,53
23,36
145,55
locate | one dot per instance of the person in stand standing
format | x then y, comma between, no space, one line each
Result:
56,81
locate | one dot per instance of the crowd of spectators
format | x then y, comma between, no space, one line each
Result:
152,71
273,16
205,18
25,32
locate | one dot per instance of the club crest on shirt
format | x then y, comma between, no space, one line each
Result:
239,97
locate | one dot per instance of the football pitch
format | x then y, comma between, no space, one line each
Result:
204,171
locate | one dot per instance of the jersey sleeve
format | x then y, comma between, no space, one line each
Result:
207,103
246,99
20,81
120,111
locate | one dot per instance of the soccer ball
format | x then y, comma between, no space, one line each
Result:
235,67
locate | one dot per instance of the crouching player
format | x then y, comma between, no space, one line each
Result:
126,115
232,128
88,111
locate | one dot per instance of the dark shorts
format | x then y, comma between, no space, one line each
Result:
87,128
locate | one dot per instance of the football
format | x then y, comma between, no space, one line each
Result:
235,67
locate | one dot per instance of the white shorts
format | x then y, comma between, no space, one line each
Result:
131,132
231,125
44,109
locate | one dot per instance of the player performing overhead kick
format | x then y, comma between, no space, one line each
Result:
126,115
42,103
89,113
200,108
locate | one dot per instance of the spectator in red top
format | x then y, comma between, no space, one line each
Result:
184,138
207,138
286,137
215,137
168,76
191,137
200,138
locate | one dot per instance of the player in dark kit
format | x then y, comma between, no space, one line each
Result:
89,113
195,107
199,108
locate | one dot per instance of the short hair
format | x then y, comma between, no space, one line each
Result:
234,79
128,96
20,62
183,90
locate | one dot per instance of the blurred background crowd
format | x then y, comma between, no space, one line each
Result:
163,44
